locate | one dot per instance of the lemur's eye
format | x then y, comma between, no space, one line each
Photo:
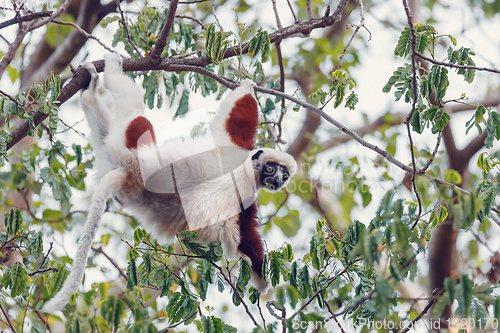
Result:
285,176
269,169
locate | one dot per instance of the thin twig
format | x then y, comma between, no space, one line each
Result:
438,142
276,15
295,19
309,11
358,27
448,64
190,2
413,108
424,311
85,33
161,42
228,280
125,27
282,318
282,74
39,270
179,323
260,312
101,251
215,16
330,281
11,98
25,18
334,317
193,19
55,15
8,319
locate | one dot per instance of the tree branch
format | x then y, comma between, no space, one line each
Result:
387,119
161,42
6,315
24,18
448,64
125,27
413,106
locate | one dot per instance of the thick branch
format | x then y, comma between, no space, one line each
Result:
294,30
89,16
165,31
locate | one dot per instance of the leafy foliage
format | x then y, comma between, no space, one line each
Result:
331,265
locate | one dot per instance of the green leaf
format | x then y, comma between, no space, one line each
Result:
268,107
289,224
245,273
351,101
112,309
182,109
131,274
13,73
13,221
19,279
260,43
104,22
403,47
416,123
449,284
452,176
464,296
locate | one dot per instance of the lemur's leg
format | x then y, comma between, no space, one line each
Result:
109,184
130,128
95,111
251,244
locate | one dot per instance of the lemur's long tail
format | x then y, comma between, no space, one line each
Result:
97,208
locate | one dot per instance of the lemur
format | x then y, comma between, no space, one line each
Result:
173,186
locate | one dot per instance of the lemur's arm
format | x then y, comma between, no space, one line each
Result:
237,118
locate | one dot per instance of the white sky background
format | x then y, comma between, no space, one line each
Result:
377,63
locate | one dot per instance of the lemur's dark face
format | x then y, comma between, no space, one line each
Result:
270,174
273,176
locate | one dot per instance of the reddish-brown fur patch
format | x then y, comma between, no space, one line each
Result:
135,129
243,121
251,241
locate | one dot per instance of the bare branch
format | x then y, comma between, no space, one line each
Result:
276,15
438,142
388,119
193,19
424,311
358,27
6,315
309,12
282,74
123,22
55,15
24,18
448,64
295,19
165,31
413,107
85,33
101,251
7,58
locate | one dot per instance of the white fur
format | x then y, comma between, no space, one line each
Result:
97,207
207,194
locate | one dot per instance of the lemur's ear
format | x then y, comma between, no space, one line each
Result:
257,154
